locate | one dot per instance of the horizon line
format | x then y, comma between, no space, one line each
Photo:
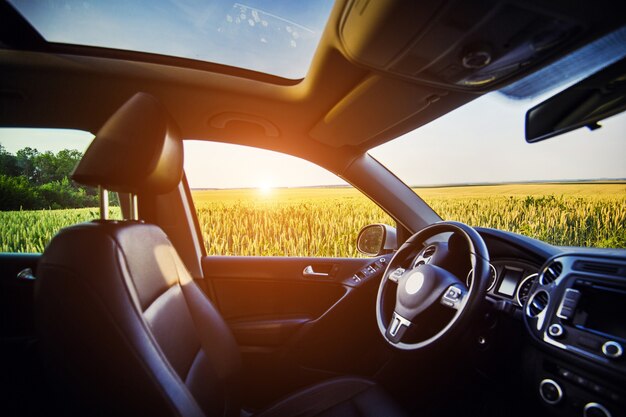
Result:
444,185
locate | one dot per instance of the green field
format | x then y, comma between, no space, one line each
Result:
325,221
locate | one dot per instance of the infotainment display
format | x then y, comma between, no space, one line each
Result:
603,310
510,278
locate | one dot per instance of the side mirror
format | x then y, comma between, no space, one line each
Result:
376,239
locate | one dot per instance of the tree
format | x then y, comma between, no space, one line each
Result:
62,194
67,159
8,163
32,180
26,163
46,167
17,193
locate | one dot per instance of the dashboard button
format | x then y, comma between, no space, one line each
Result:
598,389
612,349
556,330
595,410
550,391
565,313
581,381
568,304
566,374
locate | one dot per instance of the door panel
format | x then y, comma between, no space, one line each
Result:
298,327
16,299
21,377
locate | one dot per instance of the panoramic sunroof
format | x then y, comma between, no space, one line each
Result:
277,37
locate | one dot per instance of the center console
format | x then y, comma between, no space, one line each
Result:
576,314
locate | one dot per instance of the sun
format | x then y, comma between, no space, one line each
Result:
265,188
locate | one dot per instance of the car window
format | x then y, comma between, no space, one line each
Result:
569,190
37,197
254,202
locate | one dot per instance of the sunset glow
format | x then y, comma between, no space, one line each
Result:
265,188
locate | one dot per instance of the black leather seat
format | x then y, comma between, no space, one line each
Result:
122,323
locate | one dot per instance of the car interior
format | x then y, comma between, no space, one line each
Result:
132,317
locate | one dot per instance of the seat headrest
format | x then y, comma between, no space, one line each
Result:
138,150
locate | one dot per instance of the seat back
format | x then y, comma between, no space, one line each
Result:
120,319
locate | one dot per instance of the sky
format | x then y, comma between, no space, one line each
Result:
481,142
274,36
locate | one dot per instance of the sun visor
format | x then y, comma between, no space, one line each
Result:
375,106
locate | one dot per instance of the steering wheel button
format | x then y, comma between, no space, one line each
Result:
452,293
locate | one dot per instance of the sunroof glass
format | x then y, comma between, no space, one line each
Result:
277,37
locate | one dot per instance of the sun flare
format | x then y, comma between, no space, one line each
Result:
265,189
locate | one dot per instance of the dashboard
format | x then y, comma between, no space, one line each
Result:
562,309
576,312
572,302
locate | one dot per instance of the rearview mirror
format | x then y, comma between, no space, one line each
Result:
376,239
595,98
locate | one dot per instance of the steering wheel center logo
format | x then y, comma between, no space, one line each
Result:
415,282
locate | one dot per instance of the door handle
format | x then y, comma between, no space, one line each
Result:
26,275
309,272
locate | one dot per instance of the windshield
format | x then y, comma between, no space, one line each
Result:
271,36
474,165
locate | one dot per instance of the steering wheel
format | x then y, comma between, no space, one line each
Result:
421,286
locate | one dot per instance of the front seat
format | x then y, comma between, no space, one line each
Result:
123,327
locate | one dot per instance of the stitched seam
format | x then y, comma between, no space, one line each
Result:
137,311
195,358
158,298
126,277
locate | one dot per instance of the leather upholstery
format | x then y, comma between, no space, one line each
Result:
120,319
137,150
340,397
117,309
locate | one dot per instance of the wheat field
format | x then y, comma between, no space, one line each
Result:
326,221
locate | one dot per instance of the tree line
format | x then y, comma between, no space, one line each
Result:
31,180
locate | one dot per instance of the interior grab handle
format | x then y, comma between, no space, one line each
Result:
309,272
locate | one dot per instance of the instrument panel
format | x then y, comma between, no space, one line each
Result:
510,280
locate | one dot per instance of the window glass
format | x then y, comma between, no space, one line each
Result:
37,197
568,190
275,37
253,202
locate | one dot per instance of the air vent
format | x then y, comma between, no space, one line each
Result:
596,267
537,303
551,273
429,251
